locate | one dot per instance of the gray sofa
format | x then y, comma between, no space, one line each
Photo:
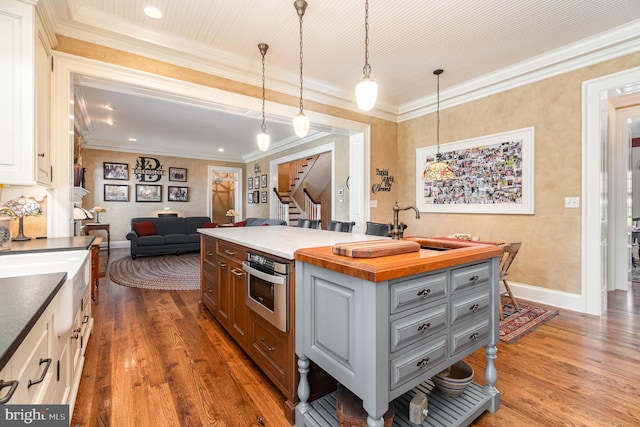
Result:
173,235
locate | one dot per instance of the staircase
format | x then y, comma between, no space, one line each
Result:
298,170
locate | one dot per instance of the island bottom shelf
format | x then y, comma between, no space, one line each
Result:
443,410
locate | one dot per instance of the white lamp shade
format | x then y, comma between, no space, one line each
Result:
263,141
366,94
301,125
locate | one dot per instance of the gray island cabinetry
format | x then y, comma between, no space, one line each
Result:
383,327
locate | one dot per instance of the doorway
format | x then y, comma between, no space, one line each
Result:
225,190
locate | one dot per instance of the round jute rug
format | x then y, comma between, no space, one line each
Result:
163,272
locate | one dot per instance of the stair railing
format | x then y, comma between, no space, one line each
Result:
281,207
312,208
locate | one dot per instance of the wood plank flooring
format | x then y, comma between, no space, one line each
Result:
156,359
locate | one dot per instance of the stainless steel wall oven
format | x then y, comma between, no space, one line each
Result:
268,289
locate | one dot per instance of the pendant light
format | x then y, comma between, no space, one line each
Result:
367,89
300,122
263,137
438,170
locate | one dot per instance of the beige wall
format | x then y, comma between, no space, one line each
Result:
119,214
550,256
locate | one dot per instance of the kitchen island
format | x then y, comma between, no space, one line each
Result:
384,326
224,284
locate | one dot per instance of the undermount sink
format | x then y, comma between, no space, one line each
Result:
74,263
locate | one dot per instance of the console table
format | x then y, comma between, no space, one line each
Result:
92,226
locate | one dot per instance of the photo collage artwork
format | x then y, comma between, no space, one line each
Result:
254,184
114,192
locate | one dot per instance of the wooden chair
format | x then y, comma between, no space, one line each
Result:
509,252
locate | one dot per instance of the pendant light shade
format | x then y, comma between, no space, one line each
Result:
438,170
263,137
367,89
300,122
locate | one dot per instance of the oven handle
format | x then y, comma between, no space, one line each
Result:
278,280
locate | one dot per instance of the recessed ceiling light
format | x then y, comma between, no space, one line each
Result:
108,107
133,139
109,122
221,149
153,12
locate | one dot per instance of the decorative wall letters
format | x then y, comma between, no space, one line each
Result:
148,169
386,181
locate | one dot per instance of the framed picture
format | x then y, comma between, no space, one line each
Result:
263,181
494,174
263,197
256,182
116,170
178,194
256,196
250,197
250,184
116,193
148,193
177,174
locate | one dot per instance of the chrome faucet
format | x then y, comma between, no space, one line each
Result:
397,228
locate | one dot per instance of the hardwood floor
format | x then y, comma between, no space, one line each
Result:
156,359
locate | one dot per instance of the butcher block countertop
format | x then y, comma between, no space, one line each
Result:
379,269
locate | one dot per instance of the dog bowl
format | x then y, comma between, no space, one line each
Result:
454,380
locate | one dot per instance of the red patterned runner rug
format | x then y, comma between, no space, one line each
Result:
517,324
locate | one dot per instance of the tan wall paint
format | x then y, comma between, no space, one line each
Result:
550,256
119,214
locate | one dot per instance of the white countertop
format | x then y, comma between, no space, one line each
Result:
281,240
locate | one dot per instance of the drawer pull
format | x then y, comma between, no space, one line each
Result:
221,264
237,272
424,327
474,278
424,362
209,289
265,345
424,293
228,252
209,253
474,308
44,373
13,384
85,320
474,336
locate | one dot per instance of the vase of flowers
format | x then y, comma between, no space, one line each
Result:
231,213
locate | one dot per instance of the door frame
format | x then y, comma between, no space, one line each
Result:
238,188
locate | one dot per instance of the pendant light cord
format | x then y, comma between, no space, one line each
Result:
366,70
437,73
264,125
301,61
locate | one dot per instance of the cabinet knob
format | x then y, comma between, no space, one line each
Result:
424,362
474,336
474,278
424,327
474,308
40,154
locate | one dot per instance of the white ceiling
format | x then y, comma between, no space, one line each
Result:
483,46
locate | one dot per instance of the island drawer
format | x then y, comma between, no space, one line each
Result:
208,251
230,250
416,362
470,276
268,348
474,305
417,291
418,326
475,335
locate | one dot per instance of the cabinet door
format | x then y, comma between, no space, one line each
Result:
238,320
224,286
42,107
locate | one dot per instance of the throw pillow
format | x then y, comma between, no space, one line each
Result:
209,225
265,225
144,228
239,223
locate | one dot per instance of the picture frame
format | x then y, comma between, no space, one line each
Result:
494,174
250,183
178,174
256,182
118,171
263,180
148,193
116,193
256,196
250,197
177,194
263,197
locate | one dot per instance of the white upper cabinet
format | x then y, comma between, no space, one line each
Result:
25,91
